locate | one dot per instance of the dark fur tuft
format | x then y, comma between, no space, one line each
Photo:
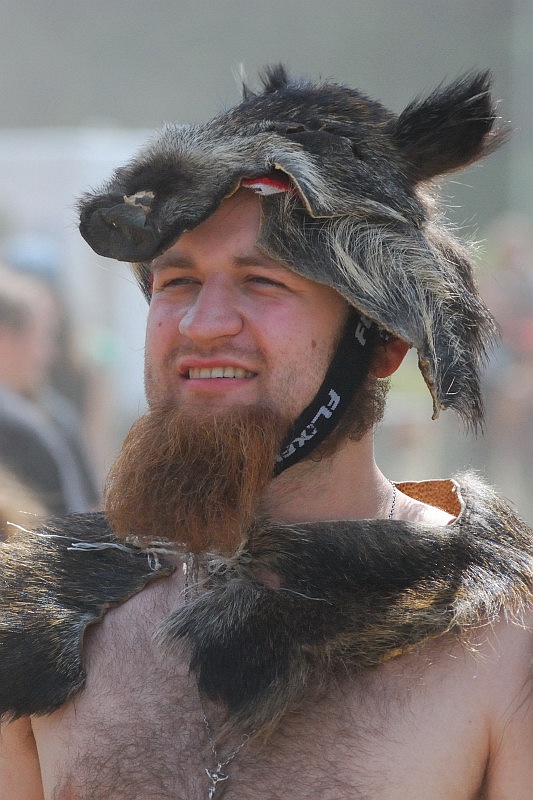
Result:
273,78
451,128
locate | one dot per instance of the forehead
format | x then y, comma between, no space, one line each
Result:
233,227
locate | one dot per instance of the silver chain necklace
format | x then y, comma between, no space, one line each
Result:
217,775
393,505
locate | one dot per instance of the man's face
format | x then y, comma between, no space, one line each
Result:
228,326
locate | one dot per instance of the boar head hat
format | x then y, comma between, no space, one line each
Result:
360,215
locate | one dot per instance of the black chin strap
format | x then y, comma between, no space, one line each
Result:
345,375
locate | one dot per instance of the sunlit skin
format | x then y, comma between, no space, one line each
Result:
220,304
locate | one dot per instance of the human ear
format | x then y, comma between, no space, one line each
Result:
388,357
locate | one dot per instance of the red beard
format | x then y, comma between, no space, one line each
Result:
195,480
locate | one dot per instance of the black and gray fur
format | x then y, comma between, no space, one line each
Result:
364,220
353,594
53,583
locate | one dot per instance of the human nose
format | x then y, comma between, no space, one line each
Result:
213,314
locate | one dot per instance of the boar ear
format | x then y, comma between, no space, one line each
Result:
450,129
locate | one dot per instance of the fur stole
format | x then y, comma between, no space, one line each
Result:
53,583
353,594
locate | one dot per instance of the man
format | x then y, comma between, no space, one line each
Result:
275,618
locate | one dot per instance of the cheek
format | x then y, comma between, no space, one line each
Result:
161,329
298,337
302,355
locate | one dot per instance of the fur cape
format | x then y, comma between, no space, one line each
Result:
362,219
353,594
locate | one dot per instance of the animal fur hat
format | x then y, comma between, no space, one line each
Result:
361,216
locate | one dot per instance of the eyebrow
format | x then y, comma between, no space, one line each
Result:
256,260
171,260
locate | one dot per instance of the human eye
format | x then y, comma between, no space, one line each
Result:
166,280
267,281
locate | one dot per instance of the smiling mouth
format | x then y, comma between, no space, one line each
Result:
219,372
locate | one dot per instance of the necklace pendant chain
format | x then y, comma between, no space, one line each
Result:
215,776
393,505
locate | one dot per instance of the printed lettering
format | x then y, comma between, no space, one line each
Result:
310,431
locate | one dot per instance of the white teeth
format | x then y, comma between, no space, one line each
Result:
219,372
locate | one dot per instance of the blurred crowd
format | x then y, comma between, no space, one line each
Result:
46,463
507,284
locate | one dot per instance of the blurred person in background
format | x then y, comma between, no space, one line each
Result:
79,384
507,284
39,429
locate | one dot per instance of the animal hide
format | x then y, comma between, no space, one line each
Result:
364,220
353,594
53,583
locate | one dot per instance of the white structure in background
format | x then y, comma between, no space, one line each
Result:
42,173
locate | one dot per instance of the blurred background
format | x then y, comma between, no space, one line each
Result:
84,84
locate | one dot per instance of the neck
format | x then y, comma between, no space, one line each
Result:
345,485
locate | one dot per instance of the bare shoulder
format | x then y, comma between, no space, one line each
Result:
508,651
20,777
509,647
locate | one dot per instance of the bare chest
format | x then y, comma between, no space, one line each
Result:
137,731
